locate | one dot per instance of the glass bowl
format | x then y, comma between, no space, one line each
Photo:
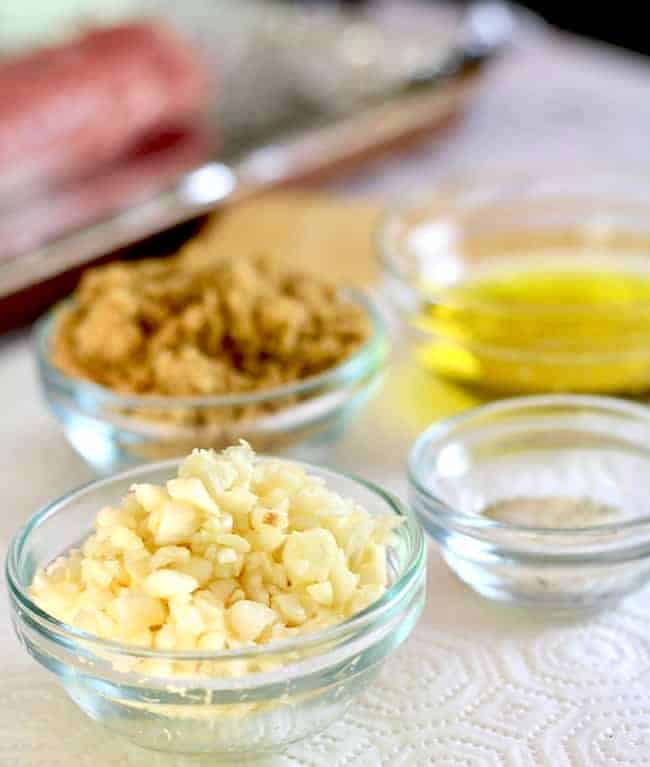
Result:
527,284
291,688
112,431
545,450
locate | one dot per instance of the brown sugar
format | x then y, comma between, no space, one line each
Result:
191,325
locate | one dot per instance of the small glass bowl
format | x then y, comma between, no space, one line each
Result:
113,431
293,688
574,333
545,447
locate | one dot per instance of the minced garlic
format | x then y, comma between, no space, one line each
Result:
232,552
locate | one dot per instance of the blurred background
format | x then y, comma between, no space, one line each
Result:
623,26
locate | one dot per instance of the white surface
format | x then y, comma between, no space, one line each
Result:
477,685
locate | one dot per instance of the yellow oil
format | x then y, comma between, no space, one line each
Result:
530,328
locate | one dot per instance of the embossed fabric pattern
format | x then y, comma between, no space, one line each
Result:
477,685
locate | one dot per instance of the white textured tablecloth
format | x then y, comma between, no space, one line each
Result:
477,685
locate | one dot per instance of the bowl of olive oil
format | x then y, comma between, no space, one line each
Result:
527,285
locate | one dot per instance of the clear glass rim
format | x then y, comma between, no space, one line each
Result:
351,627
367,358
457,190
436,508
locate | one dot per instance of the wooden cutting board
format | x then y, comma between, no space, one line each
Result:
331,236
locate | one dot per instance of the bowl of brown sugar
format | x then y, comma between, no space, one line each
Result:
149,359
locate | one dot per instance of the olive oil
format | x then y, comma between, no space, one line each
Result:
531,327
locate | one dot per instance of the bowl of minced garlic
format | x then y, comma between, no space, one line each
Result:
149,359
223,604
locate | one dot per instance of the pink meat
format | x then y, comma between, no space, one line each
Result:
66,109
136,177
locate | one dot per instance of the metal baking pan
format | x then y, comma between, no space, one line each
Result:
303,91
